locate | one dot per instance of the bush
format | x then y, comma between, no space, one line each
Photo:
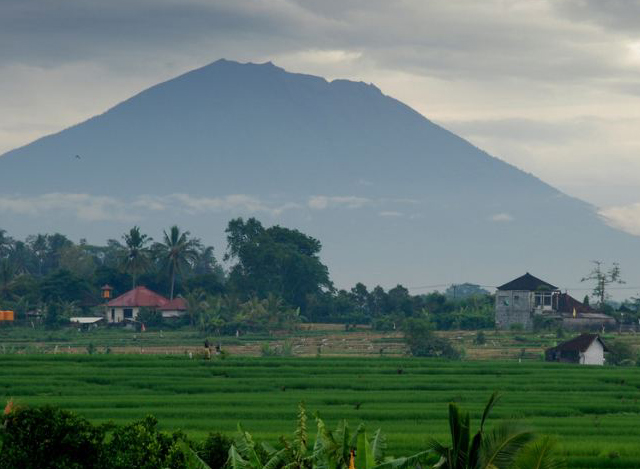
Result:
142,446
422,342
51,438
480,338
150,317
215,450
47,437
516,327
620,353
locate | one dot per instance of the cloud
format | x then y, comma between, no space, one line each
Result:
102,208
83,206
321,202
105,208
625,217
501,217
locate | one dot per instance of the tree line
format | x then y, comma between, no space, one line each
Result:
275,279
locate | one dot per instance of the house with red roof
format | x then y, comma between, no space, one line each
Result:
126,307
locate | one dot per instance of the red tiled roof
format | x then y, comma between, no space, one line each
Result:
566,304
177,304
139,297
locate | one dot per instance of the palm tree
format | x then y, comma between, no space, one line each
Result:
6,243
196,304
136,256
497,449
177,250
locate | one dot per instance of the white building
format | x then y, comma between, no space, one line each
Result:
586,349
127,306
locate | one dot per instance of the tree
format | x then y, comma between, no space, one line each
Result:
274,260
177,251
603,280
136,256
38,245
6,244
422,342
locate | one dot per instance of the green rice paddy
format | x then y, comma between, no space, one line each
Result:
593,411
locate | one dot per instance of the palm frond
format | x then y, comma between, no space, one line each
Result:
436,447
500,447
541,454
493,400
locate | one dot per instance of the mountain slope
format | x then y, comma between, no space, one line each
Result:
393,197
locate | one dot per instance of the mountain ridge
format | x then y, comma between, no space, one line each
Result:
231,139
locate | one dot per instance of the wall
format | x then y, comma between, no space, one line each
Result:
518,309
119,314
594,355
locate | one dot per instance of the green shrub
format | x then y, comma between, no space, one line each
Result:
150,317
141,445
215,450
480,338
422,342
50,438
516,327
620,353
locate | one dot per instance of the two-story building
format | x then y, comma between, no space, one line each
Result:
521,300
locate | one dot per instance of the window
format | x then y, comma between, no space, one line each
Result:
128,313
503,300
543,300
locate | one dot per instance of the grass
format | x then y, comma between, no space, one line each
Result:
593,411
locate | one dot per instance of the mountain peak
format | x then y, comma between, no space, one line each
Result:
394,197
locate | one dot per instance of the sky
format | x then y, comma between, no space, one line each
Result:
552,87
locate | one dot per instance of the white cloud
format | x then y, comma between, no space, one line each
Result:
233,202
501,217
625,217
83,206
321,202
103,208
390,213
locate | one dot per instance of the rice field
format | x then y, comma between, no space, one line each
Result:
593,411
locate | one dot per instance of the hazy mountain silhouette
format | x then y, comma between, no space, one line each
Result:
392,196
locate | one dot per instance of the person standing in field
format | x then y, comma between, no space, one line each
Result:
207,350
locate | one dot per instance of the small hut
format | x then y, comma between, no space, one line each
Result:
586,349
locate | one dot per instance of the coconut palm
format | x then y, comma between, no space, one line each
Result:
6,243
136,255
497,449
177,251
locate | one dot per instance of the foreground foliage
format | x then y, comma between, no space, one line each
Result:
47,437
